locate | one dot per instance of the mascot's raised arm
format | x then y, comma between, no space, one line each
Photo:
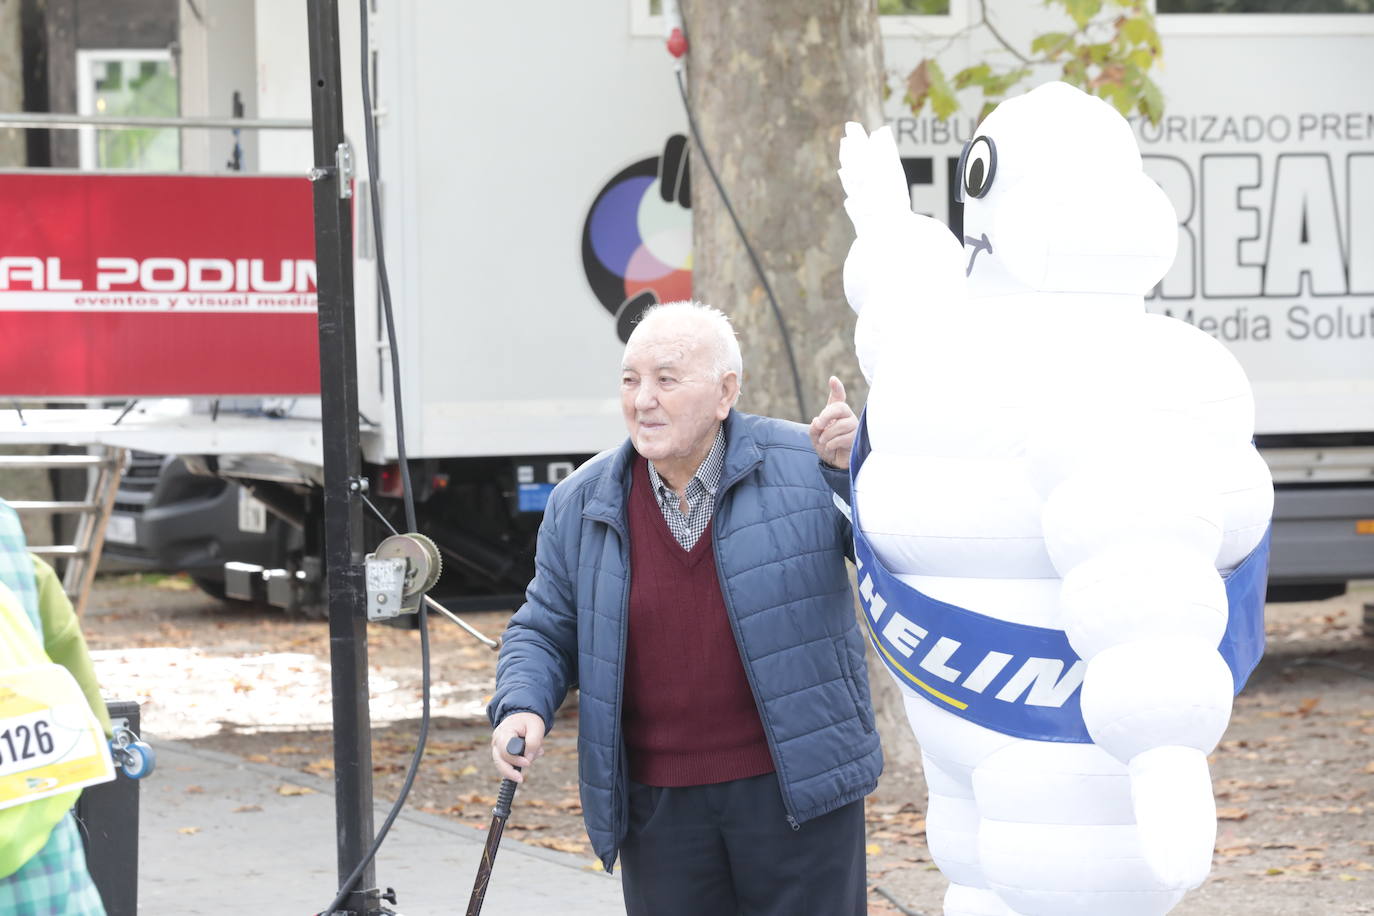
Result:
1060,516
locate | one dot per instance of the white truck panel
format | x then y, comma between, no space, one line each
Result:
1266,151
499,131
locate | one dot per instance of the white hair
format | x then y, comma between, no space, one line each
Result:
725,353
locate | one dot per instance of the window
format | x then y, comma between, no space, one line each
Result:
1288,7
131,84
913,7
1289,18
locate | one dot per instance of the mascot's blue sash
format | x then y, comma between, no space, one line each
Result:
1016,679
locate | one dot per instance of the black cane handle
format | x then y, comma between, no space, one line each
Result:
515,747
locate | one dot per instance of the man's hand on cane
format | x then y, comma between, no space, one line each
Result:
526,725
832,432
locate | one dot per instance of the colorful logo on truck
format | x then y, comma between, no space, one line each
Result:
637,240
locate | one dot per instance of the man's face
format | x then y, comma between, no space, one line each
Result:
670,397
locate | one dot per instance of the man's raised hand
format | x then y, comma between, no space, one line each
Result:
833,429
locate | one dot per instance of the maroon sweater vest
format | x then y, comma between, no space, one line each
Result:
689,717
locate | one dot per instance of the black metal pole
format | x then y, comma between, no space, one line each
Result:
342,465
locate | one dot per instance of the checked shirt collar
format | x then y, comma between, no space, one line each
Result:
700,493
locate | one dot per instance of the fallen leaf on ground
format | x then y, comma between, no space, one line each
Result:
188,830
1232,814
322,767
559,843
289,789
873,849
244,809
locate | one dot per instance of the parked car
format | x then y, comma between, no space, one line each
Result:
169,519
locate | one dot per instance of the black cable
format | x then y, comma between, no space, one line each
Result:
370,142
758,268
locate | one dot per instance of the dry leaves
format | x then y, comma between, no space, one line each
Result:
324,766
562,844
188,831
289,789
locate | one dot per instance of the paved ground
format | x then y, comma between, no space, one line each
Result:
218,834
239,700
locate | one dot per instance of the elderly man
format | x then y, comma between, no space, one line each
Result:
692,584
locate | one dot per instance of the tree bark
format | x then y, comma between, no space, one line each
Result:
13,152
771,86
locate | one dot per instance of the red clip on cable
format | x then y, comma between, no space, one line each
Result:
677,43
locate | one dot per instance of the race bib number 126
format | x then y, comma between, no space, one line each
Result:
50,741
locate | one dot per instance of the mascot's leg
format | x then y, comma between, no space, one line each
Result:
952,834
1058,837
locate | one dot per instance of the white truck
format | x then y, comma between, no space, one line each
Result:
533,178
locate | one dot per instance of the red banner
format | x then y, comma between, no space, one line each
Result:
156,285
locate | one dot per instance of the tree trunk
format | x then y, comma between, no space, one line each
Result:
12,147
772,85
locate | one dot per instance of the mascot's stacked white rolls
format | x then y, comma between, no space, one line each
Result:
1045,452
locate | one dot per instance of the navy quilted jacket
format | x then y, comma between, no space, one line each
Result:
780,546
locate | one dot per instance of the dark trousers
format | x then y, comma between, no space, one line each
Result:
727,850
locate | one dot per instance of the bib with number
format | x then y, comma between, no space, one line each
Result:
51,744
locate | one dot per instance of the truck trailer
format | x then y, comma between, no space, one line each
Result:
535,196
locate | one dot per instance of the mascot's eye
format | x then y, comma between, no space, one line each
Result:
978,166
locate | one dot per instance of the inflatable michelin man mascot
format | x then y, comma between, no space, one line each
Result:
1061,522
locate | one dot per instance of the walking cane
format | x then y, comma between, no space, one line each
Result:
515,747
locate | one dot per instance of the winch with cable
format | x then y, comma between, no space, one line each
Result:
398,573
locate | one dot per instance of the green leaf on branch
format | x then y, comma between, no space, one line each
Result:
1137,31
1002,84
1098,53
1141,58
1121,98
942,100
1051,44
1152,101
1082,11
977,75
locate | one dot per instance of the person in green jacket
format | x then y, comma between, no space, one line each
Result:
55,881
